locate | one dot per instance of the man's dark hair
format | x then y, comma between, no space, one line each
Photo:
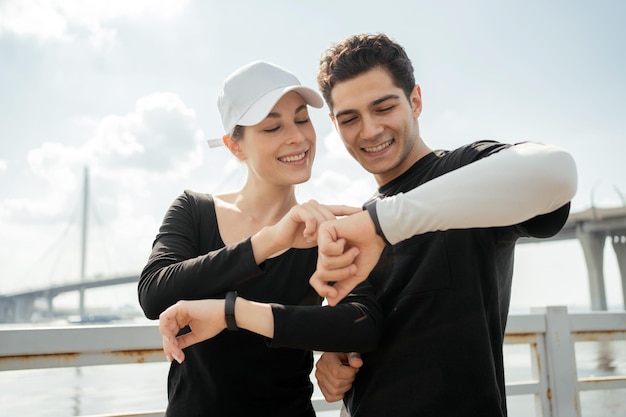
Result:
359,54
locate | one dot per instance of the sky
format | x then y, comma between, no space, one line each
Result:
126,91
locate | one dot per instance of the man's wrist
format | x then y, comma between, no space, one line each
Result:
370,206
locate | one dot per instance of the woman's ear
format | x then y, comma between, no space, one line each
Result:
234,147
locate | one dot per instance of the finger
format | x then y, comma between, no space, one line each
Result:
167,324
325,282
187,339
342,210
328,247
172,351
168,355
334,378
313,214
333,389
342,288
322,288
328,241
330,394
339,261
327,213
354,359
335,275
311,225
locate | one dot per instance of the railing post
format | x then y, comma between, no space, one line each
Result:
561,363
539,355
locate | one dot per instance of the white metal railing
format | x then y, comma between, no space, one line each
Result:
550,332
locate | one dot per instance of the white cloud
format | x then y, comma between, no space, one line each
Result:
158,141
3,165
334,146
40,19
58,19
159,137
55,163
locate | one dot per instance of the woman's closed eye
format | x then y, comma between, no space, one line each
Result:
271,129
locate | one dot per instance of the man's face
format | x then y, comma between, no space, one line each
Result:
377,124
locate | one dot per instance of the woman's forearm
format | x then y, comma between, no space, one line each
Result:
255,317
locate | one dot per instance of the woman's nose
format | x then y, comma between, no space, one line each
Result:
295,134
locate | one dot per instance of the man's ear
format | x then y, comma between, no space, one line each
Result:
416,101
234,147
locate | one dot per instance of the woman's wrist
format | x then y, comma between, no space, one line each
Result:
264,244
255,317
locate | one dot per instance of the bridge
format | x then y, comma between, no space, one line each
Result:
592,228
19,307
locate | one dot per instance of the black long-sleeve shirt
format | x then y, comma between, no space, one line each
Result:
237,373
444,299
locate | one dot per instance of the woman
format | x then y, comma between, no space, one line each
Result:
240,241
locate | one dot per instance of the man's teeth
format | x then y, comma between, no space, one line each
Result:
293,158
379,147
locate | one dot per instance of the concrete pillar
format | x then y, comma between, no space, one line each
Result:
619,246
7,310
24,309
593,249
50,303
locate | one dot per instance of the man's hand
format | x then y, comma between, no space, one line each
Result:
335,373
204,317
348,250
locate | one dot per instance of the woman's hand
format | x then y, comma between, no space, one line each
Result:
204,317
297,229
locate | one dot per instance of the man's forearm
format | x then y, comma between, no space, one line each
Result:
503,189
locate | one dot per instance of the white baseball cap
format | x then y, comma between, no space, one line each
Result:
249,94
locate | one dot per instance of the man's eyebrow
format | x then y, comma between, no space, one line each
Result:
372,104
344,112
384,98
277,115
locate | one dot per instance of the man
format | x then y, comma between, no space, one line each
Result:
436,246
444,284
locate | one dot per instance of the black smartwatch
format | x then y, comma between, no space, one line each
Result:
229,311
370,206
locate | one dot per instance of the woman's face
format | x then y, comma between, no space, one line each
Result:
281,148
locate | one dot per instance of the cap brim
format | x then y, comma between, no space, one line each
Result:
259,110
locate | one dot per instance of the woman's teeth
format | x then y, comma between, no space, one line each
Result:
293,158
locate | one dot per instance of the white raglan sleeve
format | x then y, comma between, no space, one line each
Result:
506,188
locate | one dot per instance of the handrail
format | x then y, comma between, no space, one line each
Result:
551,333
